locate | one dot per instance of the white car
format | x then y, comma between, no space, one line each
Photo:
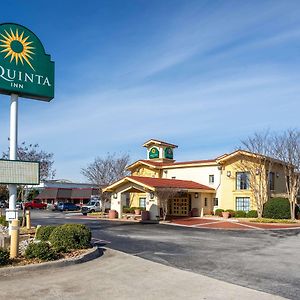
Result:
93,206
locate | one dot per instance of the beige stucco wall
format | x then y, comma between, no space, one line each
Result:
145,172
228,192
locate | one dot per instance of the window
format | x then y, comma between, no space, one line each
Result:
216,202
242,180
205,201
242,203
211,179
142,202
272,181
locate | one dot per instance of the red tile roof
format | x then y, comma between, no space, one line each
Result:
171,183
159,142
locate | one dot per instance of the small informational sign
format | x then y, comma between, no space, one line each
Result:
19,172
11,214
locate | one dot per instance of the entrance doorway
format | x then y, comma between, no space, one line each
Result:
180,206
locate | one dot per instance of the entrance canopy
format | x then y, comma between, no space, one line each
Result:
152,184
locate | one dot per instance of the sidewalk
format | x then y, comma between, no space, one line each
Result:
116,275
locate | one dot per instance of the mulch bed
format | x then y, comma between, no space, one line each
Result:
22,261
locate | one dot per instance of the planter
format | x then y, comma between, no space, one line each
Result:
145,215
225,214
195,212
112,214
137,211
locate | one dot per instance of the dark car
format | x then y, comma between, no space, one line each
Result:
67,206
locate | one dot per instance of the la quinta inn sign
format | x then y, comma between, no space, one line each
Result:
25,71
25,68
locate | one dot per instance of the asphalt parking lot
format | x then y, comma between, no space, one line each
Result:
263,260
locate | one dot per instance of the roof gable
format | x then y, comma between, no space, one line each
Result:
154,183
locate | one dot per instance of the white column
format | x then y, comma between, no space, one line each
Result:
116,203
13,144
152,206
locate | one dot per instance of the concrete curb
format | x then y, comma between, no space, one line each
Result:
93,253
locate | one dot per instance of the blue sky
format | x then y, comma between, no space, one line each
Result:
201,74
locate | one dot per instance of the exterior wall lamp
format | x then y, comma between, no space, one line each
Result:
115,195
257,172
151,195
277,175
228,173
196,195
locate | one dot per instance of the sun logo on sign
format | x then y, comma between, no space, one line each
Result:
17,47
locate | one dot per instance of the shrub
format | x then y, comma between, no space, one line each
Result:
252,214
277,208
41,250
3,221
70,236
218,212
44,232
240,214
132,209
232,212
126,209
4,257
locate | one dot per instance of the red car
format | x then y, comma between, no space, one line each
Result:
35,204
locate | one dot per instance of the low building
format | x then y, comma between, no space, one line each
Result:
54,191
202,185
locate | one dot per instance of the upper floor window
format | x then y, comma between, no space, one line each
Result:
242,180
272,181
211,179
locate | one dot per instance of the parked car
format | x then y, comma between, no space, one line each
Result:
35,204
67,207
93,206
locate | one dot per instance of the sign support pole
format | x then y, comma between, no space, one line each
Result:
13,144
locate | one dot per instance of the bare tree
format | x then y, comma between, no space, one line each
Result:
32,152
258,164
164,196
287,149
104,171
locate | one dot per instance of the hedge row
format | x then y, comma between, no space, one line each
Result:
130,210
53,240
238,213
274,208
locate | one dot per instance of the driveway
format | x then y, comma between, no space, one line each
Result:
120,276
263,260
